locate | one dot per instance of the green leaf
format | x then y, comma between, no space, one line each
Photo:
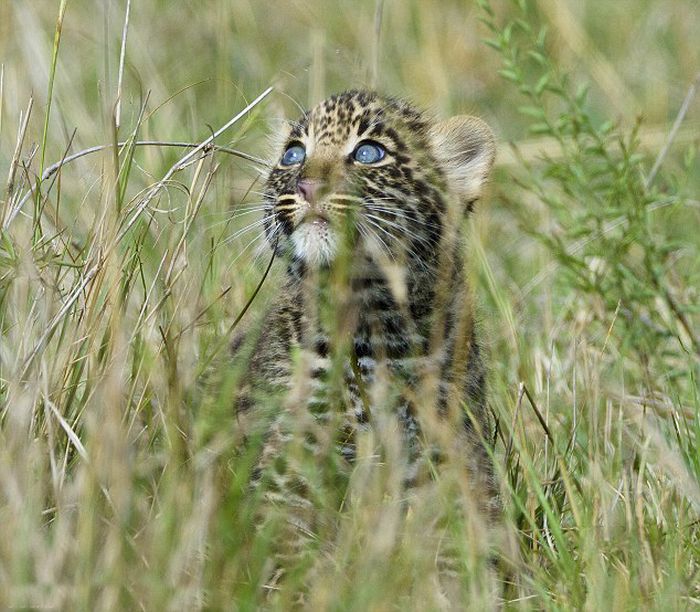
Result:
509,75
540,128
541,84
532,111
537,57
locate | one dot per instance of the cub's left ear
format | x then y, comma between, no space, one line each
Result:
465,148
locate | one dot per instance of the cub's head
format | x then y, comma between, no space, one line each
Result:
377,167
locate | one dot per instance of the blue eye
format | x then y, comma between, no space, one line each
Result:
293,155
369,153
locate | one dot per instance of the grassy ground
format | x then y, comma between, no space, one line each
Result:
122,275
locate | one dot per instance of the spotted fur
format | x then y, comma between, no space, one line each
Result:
374,319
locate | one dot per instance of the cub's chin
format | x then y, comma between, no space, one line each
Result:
315,242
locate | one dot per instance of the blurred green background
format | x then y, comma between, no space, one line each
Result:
639,55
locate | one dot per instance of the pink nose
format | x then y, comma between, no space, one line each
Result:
308,189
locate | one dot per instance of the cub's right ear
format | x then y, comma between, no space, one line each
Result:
466,149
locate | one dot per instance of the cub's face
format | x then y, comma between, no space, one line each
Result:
373,171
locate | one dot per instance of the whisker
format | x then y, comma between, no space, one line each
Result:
238,214
403,229
256,205
231,216
407,249
411,221
244,230
383,230
263,248
245,248
233,209
368,233
401,214
226,221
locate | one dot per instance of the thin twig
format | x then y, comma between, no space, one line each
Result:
509,447
2,91
540,418
18,147
102,257
69,431
61,313
650,138
573,34
674,130
577,247
682,319
185,160
122,57
52,74
376,47
225,338
51,170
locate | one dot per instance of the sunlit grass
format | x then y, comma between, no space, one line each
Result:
123,483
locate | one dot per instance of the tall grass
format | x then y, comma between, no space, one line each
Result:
621,491
122,273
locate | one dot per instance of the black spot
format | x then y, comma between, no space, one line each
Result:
393,134
378,129
363,124
363,348
285,221
321,347
407,173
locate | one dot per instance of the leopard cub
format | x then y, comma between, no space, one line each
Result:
372,329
